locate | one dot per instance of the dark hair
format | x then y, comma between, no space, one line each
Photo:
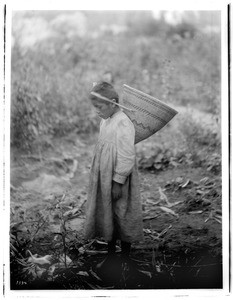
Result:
105,89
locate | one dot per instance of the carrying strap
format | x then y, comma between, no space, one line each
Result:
110,101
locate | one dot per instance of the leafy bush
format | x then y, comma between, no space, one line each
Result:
203,143
27,118
157,159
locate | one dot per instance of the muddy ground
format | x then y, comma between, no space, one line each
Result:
182,224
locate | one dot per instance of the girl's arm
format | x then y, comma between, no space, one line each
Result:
125,160
116,190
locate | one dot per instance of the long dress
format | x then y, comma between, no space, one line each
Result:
114,160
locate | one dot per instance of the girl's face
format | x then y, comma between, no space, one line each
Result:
103,110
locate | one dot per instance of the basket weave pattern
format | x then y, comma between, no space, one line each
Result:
150,114
145,111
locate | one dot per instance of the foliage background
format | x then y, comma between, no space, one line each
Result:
57,55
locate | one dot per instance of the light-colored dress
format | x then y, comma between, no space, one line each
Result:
114,159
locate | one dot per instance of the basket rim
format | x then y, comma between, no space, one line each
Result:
125,87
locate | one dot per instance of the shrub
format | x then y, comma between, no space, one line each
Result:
27,121
203,143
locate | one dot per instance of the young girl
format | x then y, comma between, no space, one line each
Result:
113,204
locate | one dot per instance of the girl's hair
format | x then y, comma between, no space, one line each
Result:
105,89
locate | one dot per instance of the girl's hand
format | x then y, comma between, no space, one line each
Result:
116,190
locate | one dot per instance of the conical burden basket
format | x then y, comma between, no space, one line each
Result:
149,114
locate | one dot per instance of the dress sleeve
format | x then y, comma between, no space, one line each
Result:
125,159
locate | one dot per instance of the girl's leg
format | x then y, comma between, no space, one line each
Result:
111,251
112,246
107,264
125,249
112,243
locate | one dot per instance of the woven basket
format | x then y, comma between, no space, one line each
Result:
149,115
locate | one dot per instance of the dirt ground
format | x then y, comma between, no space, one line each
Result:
182,224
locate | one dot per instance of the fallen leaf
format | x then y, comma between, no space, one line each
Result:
146,230
209,186
204,180
164,231
51,270
218,220
196,212
101,242
40,271
150,217
64,257
72,212
175,203
185,184
152,202
81,250
169,211
158,268
200,192
152,233
163,196
95,275
32,272
146,273
44,260
57,237
94,252
83,273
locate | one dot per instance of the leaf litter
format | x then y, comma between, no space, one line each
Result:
162,203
